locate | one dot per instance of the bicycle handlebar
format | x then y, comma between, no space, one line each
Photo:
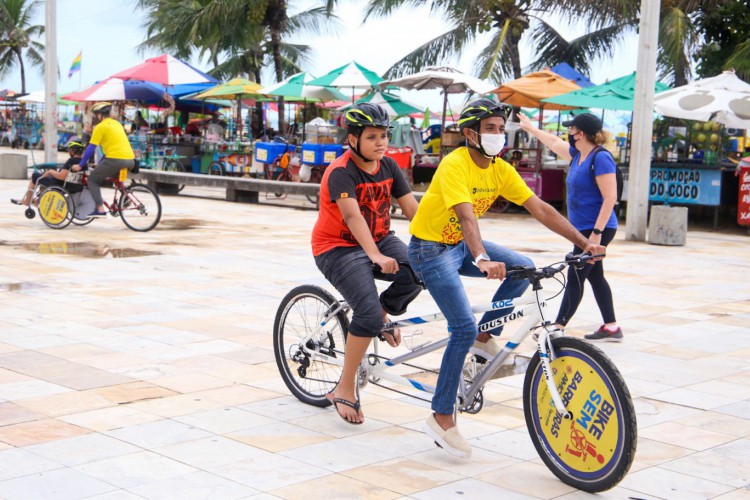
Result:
402,265
538,273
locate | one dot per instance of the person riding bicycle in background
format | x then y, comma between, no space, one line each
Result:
53,177
446,244
591,199
353,232
118,153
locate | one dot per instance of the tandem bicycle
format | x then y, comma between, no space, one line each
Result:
577,407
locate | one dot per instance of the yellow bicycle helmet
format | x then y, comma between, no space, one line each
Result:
102,107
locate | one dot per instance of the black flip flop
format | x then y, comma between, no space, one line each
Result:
355,406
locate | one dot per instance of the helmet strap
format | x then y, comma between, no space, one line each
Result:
356,148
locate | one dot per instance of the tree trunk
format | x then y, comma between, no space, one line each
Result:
515,56
276,27
22,70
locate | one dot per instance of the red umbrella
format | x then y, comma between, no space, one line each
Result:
166,70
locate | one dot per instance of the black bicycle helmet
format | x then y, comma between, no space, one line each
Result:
102,107
75,146
475,111
366,114
363,115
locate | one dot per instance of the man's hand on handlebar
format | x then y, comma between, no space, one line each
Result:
387,265
493,270
597,250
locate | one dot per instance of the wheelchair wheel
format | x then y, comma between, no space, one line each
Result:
56,207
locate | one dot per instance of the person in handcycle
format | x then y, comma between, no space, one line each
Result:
118,153
446,244
53,177
353,234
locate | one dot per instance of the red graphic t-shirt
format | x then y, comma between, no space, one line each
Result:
373,192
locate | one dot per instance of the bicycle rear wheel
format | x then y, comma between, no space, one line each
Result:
176,166
140,207
594,450
56,207
309,376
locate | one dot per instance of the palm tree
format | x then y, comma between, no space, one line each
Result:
507,22
240,37
17,38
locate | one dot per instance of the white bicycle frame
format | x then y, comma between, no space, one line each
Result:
530,306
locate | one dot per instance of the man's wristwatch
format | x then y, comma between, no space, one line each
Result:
596,231
481,257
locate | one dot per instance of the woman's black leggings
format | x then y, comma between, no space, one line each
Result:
595,274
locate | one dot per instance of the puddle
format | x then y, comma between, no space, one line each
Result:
18,287
86,250
179,224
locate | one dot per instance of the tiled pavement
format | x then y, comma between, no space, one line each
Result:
152,376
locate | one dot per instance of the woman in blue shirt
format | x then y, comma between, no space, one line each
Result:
591,199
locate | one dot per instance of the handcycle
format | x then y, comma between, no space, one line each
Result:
577,407
138,205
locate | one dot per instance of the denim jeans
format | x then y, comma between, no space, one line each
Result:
440,266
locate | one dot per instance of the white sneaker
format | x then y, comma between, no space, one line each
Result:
451,440
487,350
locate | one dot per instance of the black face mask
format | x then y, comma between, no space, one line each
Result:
572,140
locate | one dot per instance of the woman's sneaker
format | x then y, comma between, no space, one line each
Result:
603,334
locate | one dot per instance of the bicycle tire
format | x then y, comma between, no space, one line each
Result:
82,222
593,389
175,166
216,168
301,311
56,207
139,208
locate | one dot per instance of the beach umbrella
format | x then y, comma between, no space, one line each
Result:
37,96
723,98
565,70
617,94
392,103
115,89
529,90
447,79
349,76
297,88
166,70
237,88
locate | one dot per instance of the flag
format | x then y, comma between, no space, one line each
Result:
76,66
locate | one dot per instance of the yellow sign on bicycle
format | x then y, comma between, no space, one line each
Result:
123,174
589,442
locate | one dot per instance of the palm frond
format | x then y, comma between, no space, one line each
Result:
434,52
740,61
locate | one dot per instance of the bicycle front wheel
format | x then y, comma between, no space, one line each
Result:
594,450
310,370
140,207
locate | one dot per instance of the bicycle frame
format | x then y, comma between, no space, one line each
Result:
531,306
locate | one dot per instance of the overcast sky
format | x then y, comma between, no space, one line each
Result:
109,30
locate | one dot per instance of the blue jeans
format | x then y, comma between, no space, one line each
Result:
440,266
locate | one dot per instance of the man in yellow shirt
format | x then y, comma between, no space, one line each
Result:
118,154
446,244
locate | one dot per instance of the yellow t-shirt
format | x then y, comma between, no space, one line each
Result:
459,180
111,136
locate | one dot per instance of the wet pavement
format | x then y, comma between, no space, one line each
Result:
140,365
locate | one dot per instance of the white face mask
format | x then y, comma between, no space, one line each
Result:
493,143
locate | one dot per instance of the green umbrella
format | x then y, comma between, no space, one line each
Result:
392,103
426,120
352,75
297,88
617,94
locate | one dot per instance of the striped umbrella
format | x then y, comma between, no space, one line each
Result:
392,103
352,75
